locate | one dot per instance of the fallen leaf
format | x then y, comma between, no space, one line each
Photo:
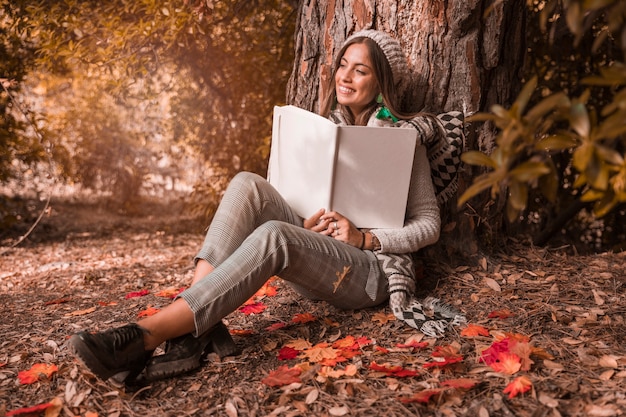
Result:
519,385
473,330
382,318
320,352
423,396
255,308
81,312
393,371
501,314
282,376
171,292
507,363
287,353
491,283
136,294
303,318
36,372
275,326
150,311
460,383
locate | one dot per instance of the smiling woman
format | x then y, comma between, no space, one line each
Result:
356,83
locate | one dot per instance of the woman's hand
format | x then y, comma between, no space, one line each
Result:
335,225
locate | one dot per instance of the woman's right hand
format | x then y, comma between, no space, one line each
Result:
315,223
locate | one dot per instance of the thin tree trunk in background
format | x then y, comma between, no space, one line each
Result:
464,55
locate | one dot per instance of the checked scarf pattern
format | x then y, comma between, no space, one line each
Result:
431,316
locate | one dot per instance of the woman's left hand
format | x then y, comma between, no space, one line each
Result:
341,229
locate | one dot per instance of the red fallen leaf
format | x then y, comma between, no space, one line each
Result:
460,383
394,371
473,330
135,294
36,371
381,349
150,311
519,385
3,364
423,396
303,318
413,344
501,314
36,409
443,363
286,353
275,326
282,376
364,341
255,308
106,303
492,353
170,292
57,301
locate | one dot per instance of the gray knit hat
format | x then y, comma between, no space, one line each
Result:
392,50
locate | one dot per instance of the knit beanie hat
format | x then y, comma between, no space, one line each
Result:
393,52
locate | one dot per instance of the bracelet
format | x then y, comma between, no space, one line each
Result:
362,245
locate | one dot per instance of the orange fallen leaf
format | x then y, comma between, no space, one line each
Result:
171,292
282,376
507,363
460,383
150,311
267,290
275,326
413,345
303,318
383,318
501,314
81,312
36,372
473,330
443,363
240,332
320,352
519,385
423,396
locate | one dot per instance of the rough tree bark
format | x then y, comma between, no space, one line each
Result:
464,55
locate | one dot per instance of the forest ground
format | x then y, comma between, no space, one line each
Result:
84,266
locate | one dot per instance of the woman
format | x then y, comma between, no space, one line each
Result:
255,235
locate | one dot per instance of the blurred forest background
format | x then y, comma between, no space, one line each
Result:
126,101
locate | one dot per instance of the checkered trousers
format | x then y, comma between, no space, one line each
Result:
255,235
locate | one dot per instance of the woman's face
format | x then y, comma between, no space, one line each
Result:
355,83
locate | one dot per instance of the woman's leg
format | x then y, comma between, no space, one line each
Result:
315,264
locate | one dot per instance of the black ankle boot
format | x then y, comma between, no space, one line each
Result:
185,353
112,352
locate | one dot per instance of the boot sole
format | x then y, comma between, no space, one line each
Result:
88,359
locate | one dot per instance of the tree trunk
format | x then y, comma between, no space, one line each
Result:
464,55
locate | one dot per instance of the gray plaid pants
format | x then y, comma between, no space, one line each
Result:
255,235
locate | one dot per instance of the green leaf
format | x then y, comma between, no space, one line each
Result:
479,185
548,104
524,97
518,195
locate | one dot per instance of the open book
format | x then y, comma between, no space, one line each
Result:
361,172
